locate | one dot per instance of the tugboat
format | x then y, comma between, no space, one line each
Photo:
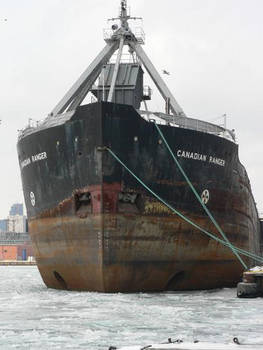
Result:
122,199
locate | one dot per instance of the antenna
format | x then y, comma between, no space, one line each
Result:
123,7
124,16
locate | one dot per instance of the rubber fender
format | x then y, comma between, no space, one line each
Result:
247,290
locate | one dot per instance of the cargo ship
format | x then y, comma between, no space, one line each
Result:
109,208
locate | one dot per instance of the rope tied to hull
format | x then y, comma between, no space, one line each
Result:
183,217
199,198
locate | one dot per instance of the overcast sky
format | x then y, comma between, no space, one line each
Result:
213,50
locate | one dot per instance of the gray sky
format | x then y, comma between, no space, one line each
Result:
212,48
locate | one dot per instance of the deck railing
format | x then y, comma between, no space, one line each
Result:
188,123
160,118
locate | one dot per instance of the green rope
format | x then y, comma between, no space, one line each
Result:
200,200
241,251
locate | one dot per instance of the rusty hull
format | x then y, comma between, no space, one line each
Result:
129,252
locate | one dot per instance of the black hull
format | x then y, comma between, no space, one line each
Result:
89,217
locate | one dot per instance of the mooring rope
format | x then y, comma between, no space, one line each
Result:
199,199
241,251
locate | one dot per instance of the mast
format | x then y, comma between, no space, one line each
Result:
124,17
119,37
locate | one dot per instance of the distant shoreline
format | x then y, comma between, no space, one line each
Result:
17,263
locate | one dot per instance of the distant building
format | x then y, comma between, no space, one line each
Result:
3,225
16,209
15,246
15,243
16,223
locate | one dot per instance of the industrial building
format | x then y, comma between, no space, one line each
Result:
15,246
15,241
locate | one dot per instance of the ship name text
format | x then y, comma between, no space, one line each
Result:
201,157
33,159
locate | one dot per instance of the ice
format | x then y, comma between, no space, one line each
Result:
34,317
193,346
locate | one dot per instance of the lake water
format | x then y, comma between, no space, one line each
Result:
34,317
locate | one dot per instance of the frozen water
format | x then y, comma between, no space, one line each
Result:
34,317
